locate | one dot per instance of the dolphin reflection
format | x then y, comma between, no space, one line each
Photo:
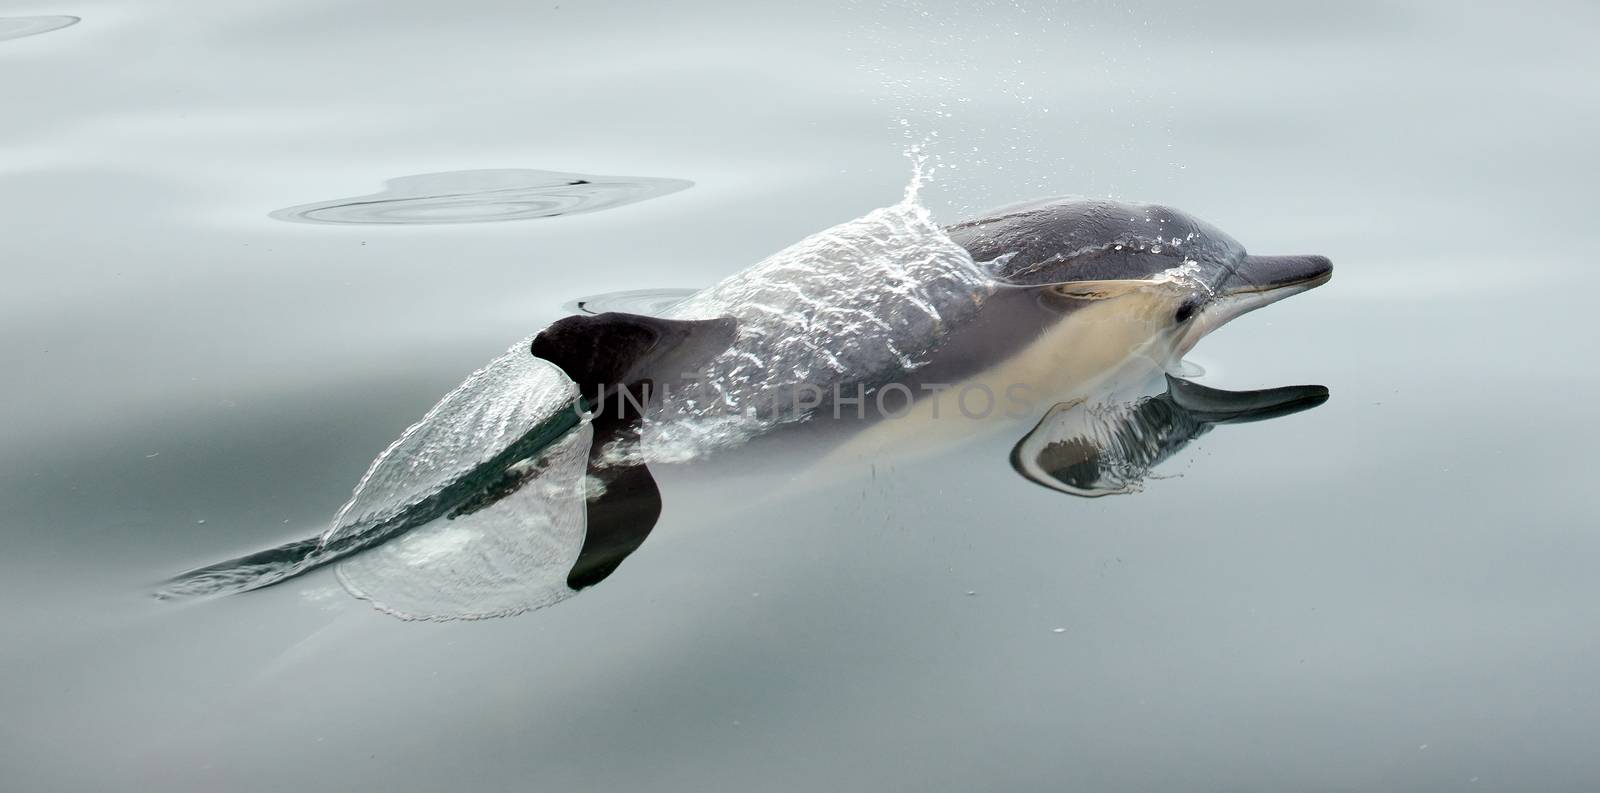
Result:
1096,449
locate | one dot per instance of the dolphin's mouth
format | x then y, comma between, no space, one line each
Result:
1271,274
1256,282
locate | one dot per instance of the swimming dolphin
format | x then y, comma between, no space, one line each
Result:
531,479
890,317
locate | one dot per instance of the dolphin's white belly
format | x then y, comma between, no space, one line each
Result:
1124,337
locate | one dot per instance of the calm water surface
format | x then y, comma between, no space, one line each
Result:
1393,591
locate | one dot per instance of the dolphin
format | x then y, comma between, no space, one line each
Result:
890,317
532,480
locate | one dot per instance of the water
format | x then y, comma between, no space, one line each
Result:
17,27
484,196
649,302
1392,590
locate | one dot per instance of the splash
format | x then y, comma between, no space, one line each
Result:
923,167
455,466
1187,273
484,196
507,558
478,427
864,302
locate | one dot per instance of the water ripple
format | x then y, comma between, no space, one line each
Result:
483,196
18,27
648,302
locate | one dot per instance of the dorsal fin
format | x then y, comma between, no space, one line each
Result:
617,349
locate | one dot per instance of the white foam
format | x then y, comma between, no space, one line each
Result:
868,299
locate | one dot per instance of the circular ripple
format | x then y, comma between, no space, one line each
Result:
17,27
484,196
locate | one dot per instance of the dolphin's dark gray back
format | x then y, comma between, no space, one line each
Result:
1059,240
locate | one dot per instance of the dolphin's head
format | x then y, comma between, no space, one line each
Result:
1199,276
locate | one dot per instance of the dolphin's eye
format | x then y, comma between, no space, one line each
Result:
1187,310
